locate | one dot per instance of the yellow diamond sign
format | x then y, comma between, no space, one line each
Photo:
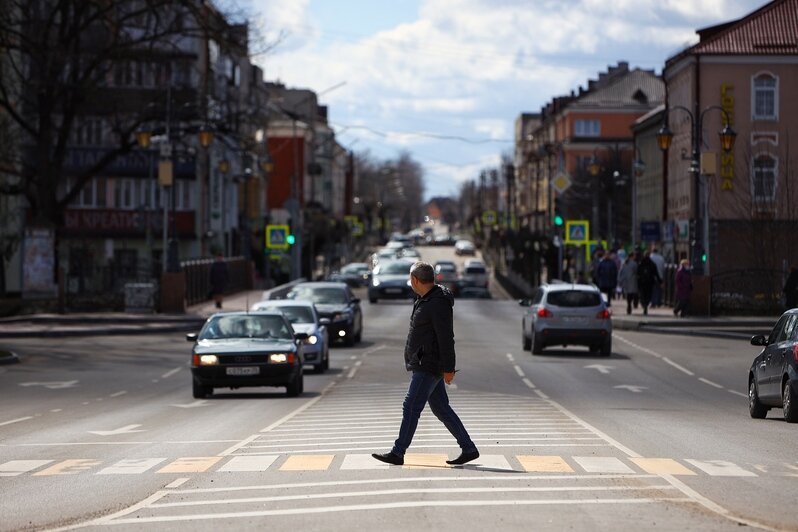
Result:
561,182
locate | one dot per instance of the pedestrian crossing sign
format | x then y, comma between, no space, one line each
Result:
577,231
277,236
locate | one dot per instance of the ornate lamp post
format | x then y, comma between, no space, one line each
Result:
727,137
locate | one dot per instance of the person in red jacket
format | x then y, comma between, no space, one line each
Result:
684,289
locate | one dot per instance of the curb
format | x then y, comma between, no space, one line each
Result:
109,331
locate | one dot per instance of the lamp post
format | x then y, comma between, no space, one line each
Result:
638,169
727,137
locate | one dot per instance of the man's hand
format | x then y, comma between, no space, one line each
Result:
448,377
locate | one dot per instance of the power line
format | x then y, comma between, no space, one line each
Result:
426,135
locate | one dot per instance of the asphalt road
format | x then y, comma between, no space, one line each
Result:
103,431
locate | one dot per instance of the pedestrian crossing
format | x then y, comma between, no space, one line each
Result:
278,464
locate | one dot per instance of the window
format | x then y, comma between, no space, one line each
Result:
764,178
765,102
574,298
124,194
587,128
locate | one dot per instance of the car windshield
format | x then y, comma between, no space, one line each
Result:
321,295
394,268
574,298
354,268
446,268
299,314
475,269
246,326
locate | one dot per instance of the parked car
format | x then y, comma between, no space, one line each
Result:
410,253
446,274
304,319
475,274
239,349
354,274
444,240
566,314
391,280
464,247
337,303
773,377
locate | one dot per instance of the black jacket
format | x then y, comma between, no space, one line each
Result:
430,341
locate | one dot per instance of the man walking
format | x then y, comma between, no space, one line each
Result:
607,277
429,354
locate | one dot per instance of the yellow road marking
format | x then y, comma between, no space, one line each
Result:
662,466
420,461
312,462
545,464
68,467
191,464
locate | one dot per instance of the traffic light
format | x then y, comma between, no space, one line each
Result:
704,256
558,219
291,239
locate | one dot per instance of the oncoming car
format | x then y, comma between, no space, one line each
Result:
566,314
242,349
391,280
337,303
304,319
773,377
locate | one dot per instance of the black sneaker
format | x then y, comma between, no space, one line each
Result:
389,458
464,458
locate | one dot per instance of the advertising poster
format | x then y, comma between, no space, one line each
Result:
38,261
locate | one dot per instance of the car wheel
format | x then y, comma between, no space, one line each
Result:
295,388
789,400
349,339
326,364
359,335
199,391
606,347
537,345
755,408
372,300
527,343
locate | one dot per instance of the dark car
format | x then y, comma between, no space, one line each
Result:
391,280
241,349
446,274
354,274
773,377
337,303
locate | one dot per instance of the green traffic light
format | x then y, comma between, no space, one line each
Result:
290,239
558,220
703,257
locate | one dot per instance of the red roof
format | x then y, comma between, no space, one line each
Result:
770,30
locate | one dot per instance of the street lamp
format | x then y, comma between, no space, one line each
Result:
727,137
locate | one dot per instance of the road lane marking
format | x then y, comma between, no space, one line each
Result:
489,462
54,385
117,394
299,410
362,462
519,370
720,468
176,483
248,463
528,383
295,446
544,464
68,467
131,466
735,392
662,466
677,366
16,420
195,404
602,464
601,368
17,467
713,384
191,464
239,445
424,461
127,429
318,462
170,373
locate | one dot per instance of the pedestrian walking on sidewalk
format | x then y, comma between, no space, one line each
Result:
218,278
647,277
607,277
627,279
791,288
429,355
656,291
684,289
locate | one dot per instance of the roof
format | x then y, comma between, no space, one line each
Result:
770,30
636,88
571,286
284,303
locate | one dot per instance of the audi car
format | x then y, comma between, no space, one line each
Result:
773,377
304,319
337,303
354,274
566,314
242,349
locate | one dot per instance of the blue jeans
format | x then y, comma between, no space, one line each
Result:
427,388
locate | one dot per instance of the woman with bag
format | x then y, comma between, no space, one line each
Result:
627,280
684,289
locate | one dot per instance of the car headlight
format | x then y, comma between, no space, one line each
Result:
312,339
375,282
208,360
281,358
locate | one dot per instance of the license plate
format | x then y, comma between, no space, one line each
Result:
393,290
243,371
573,319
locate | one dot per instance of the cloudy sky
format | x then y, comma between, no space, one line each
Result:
446,79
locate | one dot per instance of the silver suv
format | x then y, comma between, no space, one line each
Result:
567,314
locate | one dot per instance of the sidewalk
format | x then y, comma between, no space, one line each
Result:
659,320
